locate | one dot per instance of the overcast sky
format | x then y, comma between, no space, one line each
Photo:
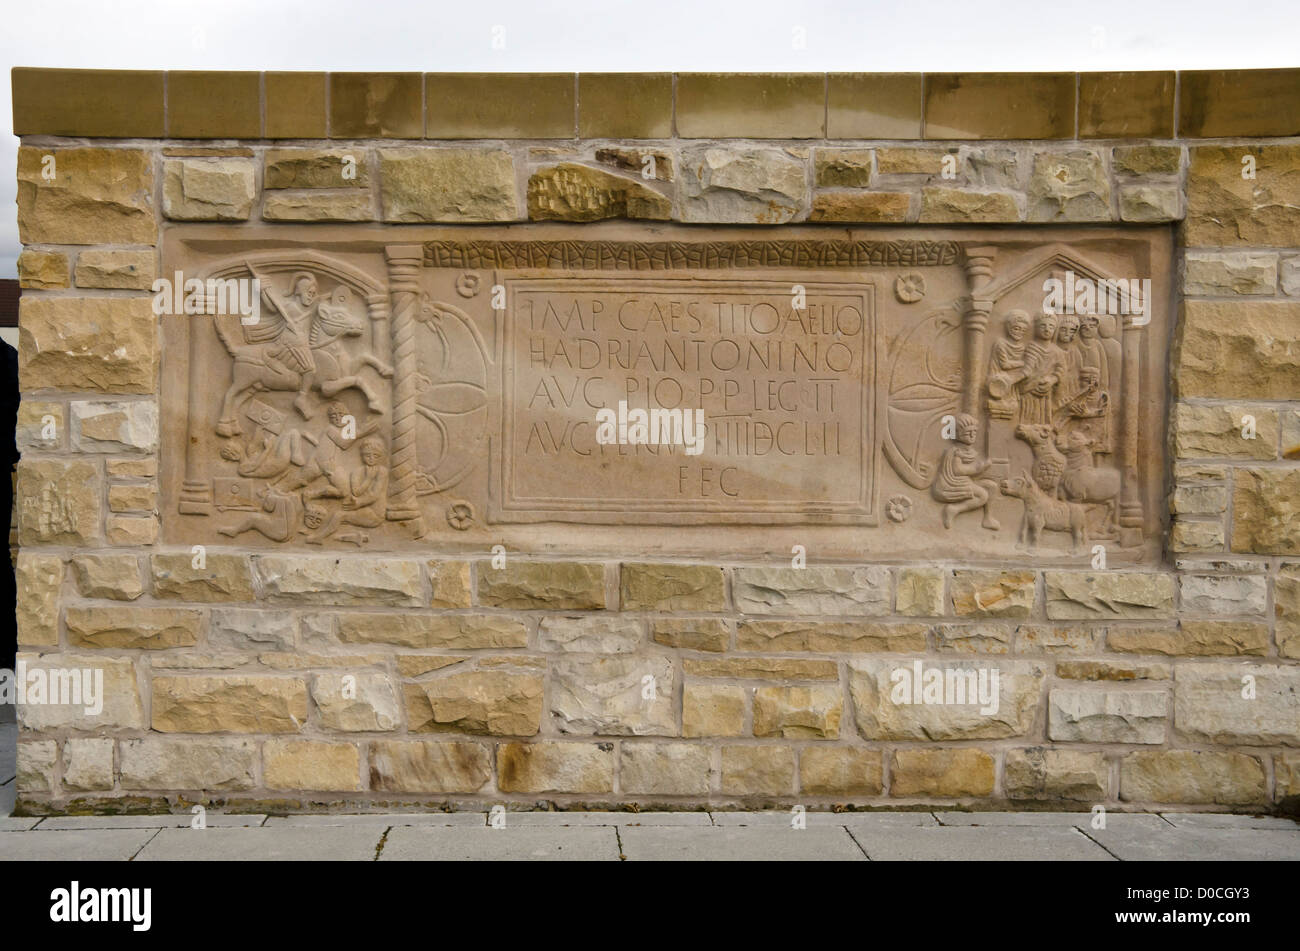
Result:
615,35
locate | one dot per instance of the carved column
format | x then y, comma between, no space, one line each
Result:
196,489
979,272
404,262
1131,519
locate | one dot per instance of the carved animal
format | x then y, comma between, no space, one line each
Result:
1049,464
1042,511
1083,481
336,368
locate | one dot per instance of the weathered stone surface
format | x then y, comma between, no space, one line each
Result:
63,674
695,634
418,766
1192,639
668,587
103,426
446,631
1223,594
40,425
829,636
861,206
611,695
34,764
1109,670
1107,716
945,773
798,712
317,579
814,591
1201,431
1147,159
42,270
58,502
1228,273
1185,776
992,168
222,577
920,592
150,628
450,583
1286,775
757,771
131,531
88,763
1197,536
97,196
96,344
1069,186
1286,607
315,168
251,629
1147,203
1210,705
594,635
208,189
37,579
903,161
311,765
131,468
1051,775
664,769
115,270
448,185
318,206
1081,595
572,192
1266,511
973,638
1239,349
1291,434
1058,639
713,710
356,702
1225,208
884,712
761,668
229,703
557,585
634,160
840,771
555,768
133,498
1209,500
476,701
158,763
842,168
1006,594
741,186
940,205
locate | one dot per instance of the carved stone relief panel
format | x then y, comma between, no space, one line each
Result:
993,393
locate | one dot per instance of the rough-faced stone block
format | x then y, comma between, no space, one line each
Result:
356,702
619,695
57,502
188,763
556,585
316,579
85,196
1081,595
1107,716
96,344
555,767
208,189
1216,703
798,712
426,766
229,704
741,186
479,701
812,591
943,773
757,771
1188,776
668,587
664,769
713,710
311,765
149,628
1051,775
455,185
840,771
37,579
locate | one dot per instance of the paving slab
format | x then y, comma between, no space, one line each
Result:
576,843
1204,845
380,820
1212,820
16,824
886,820
242,845
737,844
782,819
214,820
106,845
555,819
979,843
1081,820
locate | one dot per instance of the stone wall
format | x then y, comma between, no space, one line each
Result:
314,679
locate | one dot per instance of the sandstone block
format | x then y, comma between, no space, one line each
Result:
944,773
667,587
356,703
477,701
425,766
1107,716
812,591
150,628
229,704
97,344
555,768
664,769
557,585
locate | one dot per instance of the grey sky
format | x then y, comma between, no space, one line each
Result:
613,35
